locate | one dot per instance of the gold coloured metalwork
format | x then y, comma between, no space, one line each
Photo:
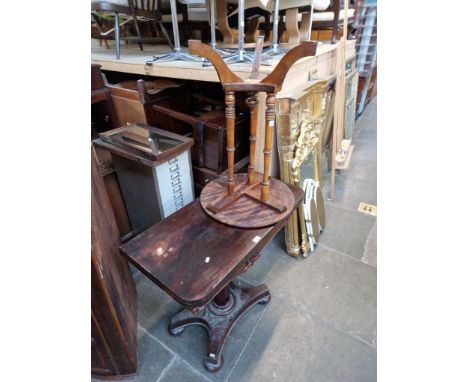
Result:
300,130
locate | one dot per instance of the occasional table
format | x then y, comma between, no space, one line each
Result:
195,259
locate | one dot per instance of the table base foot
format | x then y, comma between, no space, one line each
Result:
219,320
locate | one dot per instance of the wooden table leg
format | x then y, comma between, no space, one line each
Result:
269,125
252,103
230,100
218,318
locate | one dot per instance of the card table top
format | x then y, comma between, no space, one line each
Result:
193,257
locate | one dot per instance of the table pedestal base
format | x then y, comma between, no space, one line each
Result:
219,317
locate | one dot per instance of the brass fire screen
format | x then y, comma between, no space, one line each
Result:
304,123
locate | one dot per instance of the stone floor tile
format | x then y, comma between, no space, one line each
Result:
289,345
152,359
365,136
180,372
346,231
155,309
363,170
364,150
370,248
368,117
333,287
350,192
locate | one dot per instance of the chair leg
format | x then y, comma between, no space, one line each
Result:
275,49
99,26
137,28
177,53
166,35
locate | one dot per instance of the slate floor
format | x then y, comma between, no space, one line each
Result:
320,324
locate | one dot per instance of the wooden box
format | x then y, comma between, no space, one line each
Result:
133,103
209,134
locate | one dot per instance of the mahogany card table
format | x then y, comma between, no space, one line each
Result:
195,259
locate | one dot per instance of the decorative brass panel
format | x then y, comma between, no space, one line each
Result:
301,128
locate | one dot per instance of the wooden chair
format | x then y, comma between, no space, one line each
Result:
133,103
227,21
101,102
327,16
133,11
288,8
330,21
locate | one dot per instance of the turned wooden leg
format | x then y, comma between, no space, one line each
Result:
252,103
269,124
230,100
219,317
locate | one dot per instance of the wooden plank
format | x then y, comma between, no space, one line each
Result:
134,61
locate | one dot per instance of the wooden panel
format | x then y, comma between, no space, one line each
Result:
134,61
128,110
113,294
139,192
116,200
325,34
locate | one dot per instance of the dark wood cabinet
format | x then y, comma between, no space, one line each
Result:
113,293
210,136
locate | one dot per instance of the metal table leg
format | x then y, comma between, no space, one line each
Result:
177,53
117,36
241,55
222,52
275,49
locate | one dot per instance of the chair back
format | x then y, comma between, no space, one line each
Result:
144,5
